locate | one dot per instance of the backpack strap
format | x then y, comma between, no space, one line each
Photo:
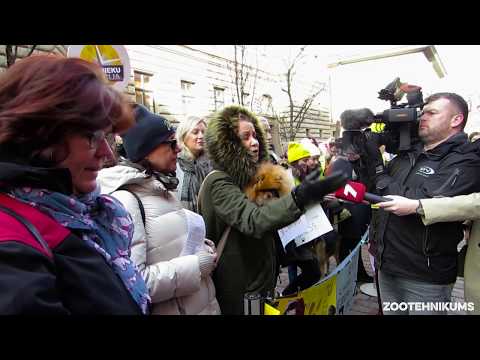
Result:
223,239
222,242
200,191
29,227
140,205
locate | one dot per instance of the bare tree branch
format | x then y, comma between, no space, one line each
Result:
297,114
236,76
32,50
254,80
240,74
11,53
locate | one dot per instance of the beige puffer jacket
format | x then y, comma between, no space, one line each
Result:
175,282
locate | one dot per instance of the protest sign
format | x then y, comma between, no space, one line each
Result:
308,227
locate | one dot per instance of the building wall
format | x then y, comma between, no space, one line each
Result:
208,67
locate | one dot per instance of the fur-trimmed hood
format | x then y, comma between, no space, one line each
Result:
225,148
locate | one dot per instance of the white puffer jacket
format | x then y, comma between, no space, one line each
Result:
175,282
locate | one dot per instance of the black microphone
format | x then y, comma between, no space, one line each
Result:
357,119
373,199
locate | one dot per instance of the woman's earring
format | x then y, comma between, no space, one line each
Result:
50,157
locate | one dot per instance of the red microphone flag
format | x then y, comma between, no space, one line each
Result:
352,191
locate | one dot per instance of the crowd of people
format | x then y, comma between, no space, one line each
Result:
87,229
106,208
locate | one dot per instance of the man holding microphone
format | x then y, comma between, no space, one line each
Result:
418,263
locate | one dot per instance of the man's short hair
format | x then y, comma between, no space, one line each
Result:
455,99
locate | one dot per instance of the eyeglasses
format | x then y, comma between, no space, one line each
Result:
172,143
95,138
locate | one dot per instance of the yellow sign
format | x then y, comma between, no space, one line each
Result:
319,299
101,54
112,58
270,310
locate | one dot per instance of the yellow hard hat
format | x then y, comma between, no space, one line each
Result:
296,151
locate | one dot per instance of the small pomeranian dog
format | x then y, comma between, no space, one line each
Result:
273,181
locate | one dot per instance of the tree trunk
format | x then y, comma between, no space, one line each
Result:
9,55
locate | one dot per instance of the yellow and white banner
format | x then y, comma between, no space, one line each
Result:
331,295
316,300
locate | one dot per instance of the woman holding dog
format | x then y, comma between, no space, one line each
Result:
236,145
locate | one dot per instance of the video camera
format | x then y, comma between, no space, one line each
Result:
401,120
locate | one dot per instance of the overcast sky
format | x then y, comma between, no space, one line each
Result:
357,85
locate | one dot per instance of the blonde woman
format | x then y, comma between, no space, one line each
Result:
192,163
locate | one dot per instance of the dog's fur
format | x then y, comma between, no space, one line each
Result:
272,181
269,179
319,248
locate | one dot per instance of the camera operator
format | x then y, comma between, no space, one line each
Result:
418,263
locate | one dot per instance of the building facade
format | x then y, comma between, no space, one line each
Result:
179,80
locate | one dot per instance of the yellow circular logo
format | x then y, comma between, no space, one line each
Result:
112,58
101,54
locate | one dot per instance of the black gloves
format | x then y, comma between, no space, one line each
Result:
313,190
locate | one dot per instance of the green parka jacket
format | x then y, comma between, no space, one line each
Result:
248,263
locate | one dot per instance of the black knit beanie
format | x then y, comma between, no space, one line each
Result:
149,132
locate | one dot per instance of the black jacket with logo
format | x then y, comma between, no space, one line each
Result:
405,246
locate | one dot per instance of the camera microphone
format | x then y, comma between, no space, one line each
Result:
357,119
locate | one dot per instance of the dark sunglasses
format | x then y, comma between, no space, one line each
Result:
172,143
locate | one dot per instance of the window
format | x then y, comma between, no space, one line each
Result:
219,98
266,104
143,90
187,96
